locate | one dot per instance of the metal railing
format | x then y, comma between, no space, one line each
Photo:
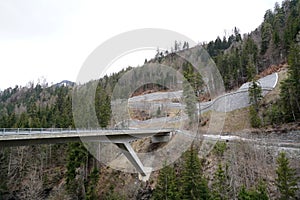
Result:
29,131
32,131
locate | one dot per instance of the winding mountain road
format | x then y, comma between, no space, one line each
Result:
225,103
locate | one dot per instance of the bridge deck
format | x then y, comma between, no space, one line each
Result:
122,138
19,137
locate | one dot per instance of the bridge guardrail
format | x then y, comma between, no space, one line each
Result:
32,131
29,131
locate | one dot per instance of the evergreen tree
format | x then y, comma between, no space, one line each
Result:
190,100
166,187
286,180
193,77
194,184
255,95
192,84
237,34
250,70
290,89
266,34
258,193
102,106
219,149
220,186
255,120
244,194
91,185
77,157
261,191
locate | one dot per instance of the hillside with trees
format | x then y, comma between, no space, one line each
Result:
269,44
230,171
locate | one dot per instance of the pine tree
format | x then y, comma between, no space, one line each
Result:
261,191
255,120
243,194
102,107
220,186
255,95
77,157
250,69
91,193
290,89
166,187
266,34
192,84
194,184
190,100
286,180
258,193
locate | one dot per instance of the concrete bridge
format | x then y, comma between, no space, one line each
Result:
122,138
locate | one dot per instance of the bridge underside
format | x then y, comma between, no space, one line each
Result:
121,139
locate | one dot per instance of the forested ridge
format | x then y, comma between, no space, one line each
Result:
275,42
269,44
68,171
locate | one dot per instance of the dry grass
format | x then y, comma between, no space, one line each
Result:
274,94
235,121
238,120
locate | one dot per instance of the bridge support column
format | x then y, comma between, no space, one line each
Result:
128,151
161,138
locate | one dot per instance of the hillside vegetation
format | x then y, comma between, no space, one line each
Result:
231,171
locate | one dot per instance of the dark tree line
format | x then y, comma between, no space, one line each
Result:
287,107
268,45
36,107
190,182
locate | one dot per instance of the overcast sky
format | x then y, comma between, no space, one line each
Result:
52,38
